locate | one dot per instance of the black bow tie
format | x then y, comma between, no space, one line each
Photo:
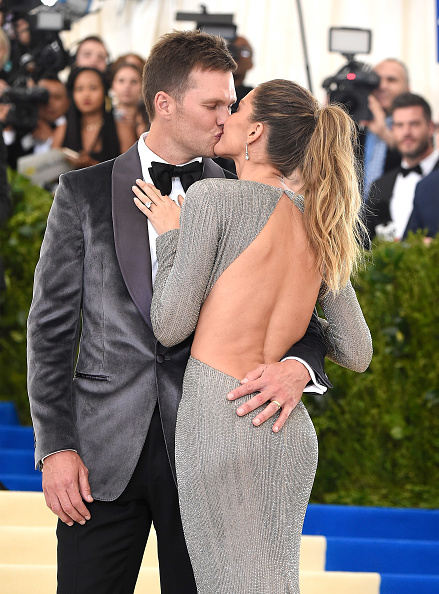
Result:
161,175
406,170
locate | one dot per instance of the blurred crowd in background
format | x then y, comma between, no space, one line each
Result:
91,109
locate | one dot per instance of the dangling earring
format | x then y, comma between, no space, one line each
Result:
246,152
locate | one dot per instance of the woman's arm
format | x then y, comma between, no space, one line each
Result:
185,260
346,333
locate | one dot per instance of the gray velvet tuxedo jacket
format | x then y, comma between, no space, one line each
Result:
93,287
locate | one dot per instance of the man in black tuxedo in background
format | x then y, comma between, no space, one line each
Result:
105,427
391,196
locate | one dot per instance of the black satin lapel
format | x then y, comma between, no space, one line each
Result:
211,169
131,232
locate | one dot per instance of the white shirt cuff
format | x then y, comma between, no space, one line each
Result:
314,387
51,454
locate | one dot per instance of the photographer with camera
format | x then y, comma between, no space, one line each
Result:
35,117
34,51
32,99
380,151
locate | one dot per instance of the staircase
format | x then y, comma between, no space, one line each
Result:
402,545
28,555
345,550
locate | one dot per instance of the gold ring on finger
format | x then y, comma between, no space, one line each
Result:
279,406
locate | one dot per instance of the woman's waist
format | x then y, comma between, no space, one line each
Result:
233,362
236,357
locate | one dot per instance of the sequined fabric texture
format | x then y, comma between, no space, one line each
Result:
243,489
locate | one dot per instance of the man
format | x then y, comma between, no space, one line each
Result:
379,144
425,213
243,54
92,53
117,416
51,116
391,197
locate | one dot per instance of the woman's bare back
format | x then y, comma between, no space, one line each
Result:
262,303
240,273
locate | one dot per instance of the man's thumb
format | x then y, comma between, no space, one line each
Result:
84,487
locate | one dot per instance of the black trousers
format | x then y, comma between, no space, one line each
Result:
104,555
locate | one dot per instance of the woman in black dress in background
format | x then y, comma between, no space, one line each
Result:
91,130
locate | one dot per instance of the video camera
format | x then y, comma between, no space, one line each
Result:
45,53
214,24
353,83
23,113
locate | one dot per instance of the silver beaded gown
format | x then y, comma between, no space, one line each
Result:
243,489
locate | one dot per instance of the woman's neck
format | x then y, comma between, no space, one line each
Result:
262,173
91,119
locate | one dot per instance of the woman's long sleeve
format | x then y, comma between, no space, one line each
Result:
185,262
346,333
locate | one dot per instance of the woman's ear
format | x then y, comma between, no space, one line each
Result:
255,131
163,104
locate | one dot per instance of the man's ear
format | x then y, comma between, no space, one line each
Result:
163,104
256,130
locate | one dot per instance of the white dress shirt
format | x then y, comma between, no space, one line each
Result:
146,157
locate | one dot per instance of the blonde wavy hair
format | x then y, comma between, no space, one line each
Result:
320,143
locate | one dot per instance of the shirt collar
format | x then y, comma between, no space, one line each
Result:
147,156
427,164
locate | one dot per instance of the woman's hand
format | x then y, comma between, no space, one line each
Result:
163,212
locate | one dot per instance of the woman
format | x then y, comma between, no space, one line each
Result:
244,272
130,110
90,130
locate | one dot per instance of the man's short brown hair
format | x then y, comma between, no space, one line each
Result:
412,100
174,57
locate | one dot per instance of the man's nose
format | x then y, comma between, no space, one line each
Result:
223,114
